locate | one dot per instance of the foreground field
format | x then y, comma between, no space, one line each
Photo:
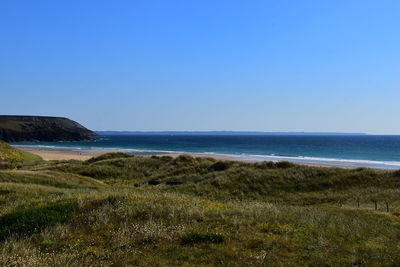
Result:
160,211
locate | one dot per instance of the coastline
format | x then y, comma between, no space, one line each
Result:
67,154
63,154
85,154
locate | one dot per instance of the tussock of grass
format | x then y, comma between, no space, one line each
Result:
220,166
223,213
109,156
28,221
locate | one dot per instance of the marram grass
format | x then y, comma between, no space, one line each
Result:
202,212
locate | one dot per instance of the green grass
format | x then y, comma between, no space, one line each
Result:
219,214
28,221
295,184
30,157
14,156
49,178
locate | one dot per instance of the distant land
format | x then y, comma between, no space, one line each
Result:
217,133
40,128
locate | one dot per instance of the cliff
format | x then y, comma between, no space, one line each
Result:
38,128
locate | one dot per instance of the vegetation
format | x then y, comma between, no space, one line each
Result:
39,128
10,155
193,238
32,220
163,211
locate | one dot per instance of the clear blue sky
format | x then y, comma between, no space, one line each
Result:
204,65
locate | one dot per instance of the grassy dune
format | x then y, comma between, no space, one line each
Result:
14,156
162,211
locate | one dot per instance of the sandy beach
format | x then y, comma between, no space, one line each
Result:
87,154
67,154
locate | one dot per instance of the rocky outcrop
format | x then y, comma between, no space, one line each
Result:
38,128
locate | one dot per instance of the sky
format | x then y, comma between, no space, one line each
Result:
319,66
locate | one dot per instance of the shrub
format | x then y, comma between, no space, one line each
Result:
13,156
9,153
265,165
274,165
284,164
186,160
194,238
220,166
32,220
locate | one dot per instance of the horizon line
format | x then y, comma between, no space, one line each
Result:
232,132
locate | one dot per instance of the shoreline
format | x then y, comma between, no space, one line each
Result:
67,154
63,154
82,154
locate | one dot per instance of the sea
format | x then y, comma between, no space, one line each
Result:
373,151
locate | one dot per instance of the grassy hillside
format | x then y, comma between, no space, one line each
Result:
13,155
39,128
162,211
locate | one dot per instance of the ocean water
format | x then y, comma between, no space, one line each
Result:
337,150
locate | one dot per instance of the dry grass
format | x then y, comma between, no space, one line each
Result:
261,215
